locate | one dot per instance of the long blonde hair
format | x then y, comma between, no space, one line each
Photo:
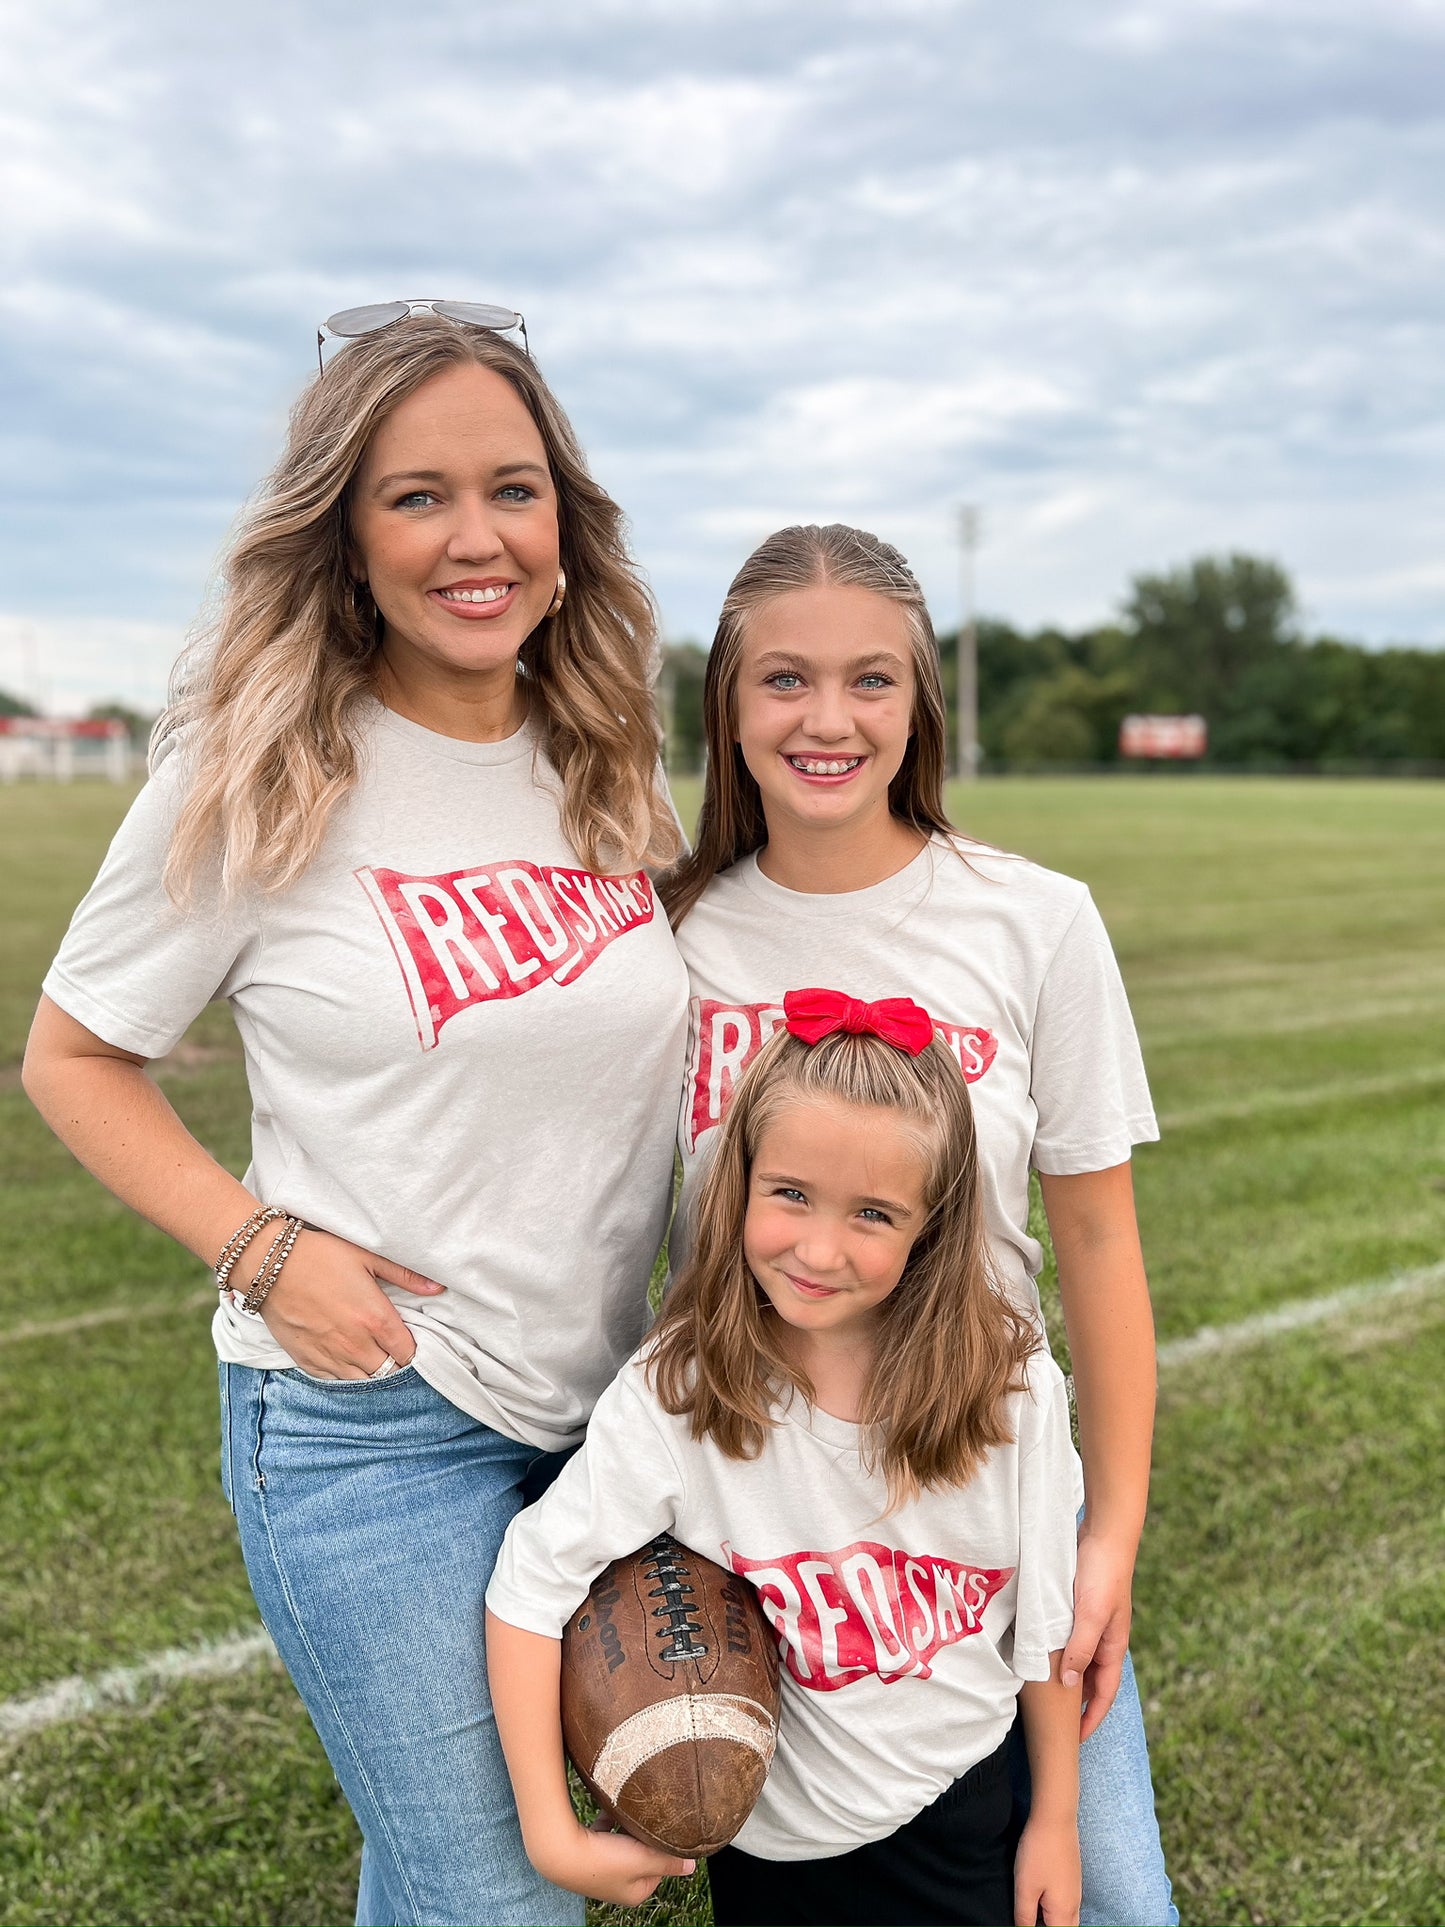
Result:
731,823
950,1346
268,699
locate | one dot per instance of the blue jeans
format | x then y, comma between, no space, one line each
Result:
1124,1877
371,1512
1125,1884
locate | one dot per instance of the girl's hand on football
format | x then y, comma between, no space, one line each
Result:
611,1866
328,1311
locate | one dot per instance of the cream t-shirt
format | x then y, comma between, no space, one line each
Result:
463,1051
1011,961
904,1636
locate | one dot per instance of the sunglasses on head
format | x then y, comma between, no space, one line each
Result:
380,314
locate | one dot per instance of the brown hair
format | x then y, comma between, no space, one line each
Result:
731,823
269,698
950,1346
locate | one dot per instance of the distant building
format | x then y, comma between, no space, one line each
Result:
60,750
1180,738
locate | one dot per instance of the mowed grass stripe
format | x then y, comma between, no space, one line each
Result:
1261,1103
1207,1068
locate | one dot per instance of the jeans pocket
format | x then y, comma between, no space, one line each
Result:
349,1385
227,1477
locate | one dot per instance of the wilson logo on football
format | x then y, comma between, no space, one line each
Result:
472,936
727,1037
867,1608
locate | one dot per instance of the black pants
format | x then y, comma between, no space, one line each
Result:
951,1866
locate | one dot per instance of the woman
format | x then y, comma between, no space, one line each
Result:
399,820
824,857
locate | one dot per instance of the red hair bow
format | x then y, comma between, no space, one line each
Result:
816,1014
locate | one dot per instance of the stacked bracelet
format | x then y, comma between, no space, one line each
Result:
237,1243
276,1256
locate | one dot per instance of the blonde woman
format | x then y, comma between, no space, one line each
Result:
824,855
401,817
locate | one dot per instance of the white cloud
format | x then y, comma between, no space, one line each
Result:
1143,278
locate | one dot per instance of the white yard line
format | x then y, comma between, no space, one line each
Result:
74,1698
105,1315
1210,1340
70,1699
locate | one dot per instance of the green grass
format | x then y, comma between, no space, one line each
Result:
70,1247
213,1804
116,1540
1281,942
1289,1633
52,838
1237,1217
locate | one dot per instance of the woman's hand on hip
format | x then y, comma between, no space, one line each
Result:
1103,1607
328,1311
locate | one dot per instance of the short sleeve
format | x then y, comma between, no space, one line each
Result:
619,1490
1086,1071
1051,1490
132,967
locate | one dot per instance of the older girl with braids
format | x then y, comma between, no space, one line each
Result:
823,856
400,817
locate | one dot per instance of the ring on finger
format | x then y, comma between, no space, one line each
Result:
387,1366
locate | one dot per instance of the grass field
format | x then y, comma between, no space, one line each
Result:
1282,946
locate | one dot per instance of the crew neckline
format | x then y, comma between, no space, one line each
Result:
824,1426
911,880
456,749
828,1428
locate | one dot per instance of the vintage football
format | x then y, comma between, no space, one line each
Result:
670,1697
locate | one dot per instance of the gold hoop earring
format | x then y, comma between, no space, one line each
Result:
556,603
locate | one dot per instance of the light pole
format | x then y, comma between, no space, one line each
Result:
29,680
968,519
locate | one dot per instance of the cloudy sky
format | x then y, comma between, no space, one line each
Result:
1142,280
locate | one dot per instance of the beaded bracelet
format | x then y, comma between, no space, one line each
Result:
276,1256
233,1247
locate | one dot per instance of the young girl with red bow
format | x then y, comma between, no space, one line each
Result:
824,854
838,1404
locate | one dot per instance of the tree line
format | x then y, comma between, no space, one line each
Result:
1218,637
